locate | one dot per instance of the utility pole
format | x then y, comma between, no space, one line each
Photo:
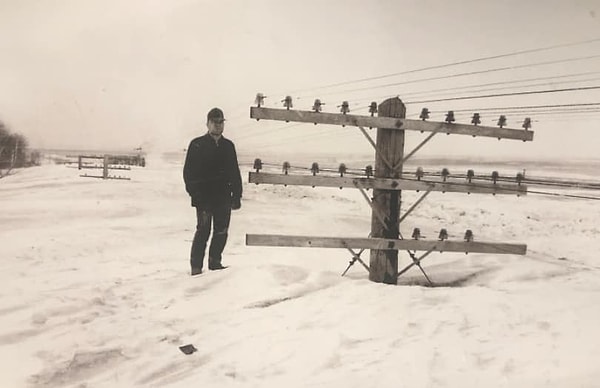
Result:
390,150
385,239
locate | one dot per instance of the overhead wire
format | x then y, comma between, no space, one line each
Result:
592,109
512,87
469,73
508,82
451,64
532,115
477,86
578,118
583,109
564,185
526,180
302,138
524,107
506,94
516,191
268,131
355,108
294,137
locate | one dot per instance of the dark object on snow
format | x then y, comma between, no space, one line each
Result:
188,349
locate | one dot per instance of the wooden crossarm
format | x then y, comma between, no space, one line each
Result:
387,183
273,240
388,122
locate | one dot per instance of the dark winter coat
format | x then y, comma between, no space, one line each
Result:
211,172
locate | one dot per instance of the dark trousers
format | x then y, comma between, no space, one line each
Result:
218,218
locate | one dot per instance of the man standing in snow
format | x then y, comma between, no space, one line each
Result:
213,181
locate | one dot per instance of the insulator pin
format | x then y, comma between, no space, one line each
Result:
470,175
416,233
443,235
287,102
419,173
502,121
314,168
373,108
259,100
317,105
258,164
468,235
345,107
445,174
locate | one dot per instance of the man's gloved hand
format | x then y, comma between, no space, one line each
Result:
236,203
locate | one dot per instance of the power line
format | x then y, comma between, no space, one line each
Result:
274,103
511,82
360,104
477,89
528,51
521,107
588,108
302,138
405,94
530,114
544,113
459,184
480,90
467,74
516,191
505,94
531,110
565,195
267,131
570,119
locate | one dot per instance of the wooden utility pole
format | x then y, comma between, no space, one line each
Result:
385,240
388,157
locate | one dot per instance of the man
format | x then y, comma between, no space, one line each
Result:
213,181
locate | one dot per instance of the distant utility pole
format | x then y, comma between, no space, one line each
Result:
106,159
385,238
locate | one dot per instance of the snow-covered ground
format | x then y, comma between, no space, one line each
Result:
96,290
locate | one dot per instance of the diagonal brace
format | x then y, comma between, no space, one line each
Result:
417,262
376,211
411,153
355,258
414,206
387,162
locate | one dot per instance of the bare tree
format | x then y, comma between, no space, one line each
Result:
4,135
4,140
13,150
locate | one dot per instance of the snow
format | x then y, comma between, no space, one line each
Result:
96,290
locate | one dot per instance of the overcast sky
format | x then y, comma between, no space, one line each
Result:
120,74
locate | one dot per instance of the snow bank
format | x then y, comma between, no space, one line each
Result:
97,292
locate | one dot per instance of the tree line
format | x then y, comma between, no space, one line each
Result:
14,151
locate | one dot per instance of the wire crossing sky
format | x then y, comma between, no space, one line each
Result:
453,64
